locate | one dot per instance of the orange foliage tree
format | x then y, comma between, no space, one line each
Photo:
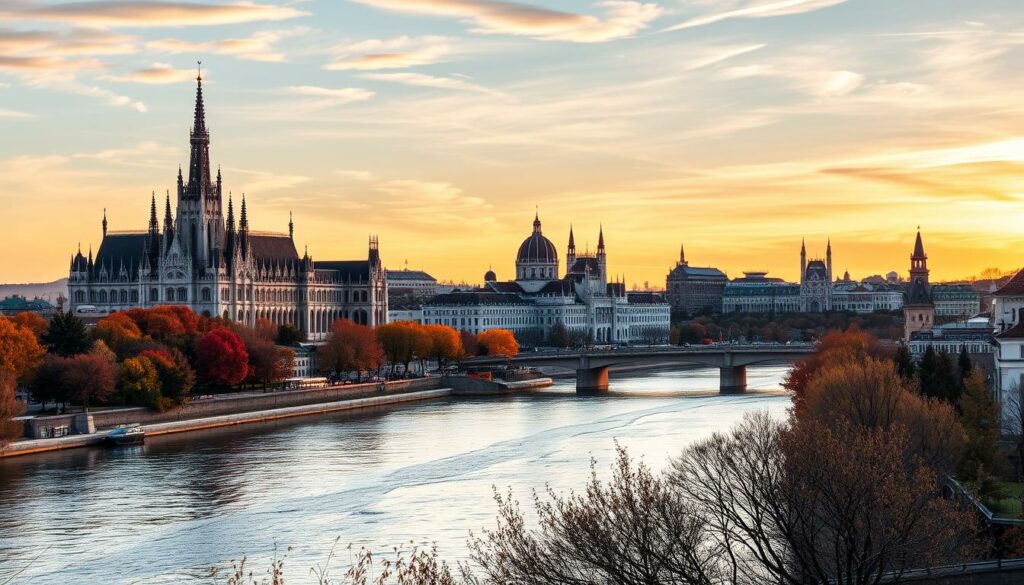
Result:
403,342
499,342
350,347
834,348
445,344
116,329
20,351
34,322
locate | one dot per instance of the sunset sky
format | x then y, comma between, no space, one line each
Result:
736,127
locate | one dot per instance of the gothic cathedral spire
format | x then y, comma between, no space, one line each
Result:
199,184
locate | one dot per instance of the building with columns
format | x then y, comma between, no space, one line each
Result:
204,260
584,299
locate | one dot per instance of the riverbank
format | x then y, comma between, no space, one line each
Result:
240,410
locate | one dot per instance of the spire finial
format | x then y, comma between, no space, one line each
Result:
104,222
199,70
291,226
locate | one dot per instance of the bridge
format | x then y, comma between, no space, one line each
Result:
592,365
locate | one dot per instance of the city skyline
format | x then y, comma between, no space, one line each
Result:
735,127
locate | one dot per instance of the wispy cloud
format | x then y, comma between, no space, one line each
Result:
260,46
394,53
5,113
422,80
332,97
156,74
720,10
148,13
619,18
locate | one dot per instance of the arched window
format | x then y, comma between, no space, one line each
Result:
135,296
124,296
103,296
206,294
182,294
79,296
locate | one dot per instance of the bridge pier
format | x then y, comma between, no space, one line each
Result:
590,380
732,379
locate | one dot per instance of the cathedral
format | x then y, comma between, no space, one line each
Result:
203,260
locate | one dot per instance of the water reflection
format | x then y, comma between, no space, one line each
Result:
165,512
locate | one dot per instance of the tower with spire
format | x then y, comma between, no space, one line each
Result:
918,306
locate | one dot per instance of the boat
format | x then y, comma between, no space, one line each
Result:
125,435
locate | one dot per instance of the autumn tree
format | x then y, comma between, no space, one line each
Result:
49,382
836,347
221,359
20,353
350,347
403,342
634,529
116,329
871,395
499,342
34,322
445,344
265,329
90,378
138,383
692,332
817,503
268,363
176,375
559,336
67,335
904,362
10,408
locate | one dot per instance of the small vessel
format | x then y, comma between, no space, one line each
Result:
125,435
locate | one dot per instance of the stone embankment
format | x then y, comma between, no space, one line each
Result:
256,407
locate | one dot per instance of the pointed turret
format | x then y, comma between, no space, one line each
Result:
168,223
199,184
536,222
600,240
291,227
803,260
243,230
682,255
570,257
154,225
828,259
919,248
104,222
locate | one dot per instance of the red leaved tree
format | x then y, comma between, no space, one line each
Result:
221,359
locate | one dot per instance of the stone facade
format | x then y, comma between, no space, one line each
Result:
202,260
693,289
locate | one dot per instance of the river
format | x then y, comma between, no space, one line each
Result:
166,512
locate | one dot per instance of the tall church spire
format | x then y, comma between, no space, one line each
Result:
104,222
600,241
199,184
682,255
154,226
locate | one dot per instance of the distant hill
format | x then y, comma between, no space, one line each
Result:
44,290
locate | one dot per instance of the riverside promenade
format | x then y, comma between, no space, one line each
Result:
246,408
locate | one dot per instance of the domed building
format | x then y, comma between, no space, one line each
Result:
537,260
582,299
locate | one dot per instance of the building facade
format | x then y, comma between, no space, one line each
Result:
415,285
758,293
959,301
1008,326
693,289
201,259
583,300
815,281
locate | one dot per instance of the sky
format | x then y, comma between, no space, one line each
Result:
735,127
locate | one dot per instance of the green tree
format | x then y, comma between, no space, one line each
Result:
926,371
67,335
979,414
947,379
139,383
965,364
904,363
288,334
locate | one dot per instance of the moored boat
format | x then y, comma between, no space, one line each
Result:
125,435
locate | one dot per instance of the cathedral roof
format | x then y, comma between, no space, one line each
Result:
537,248
346,270
816,269
585,264
272,247
504,287
119,249
645,297
476,298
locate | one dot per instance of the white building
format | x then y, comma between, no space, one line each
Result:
866,297
583,300
1007,305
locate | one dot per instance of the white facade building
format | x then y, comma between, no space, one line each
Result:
583,300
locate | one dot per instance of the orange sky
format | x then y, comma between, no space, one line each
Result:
733,126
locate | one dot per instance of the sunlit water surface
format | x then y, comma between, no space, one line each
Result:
168,511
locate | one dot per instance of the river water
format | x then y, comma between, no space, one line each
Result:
167,511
